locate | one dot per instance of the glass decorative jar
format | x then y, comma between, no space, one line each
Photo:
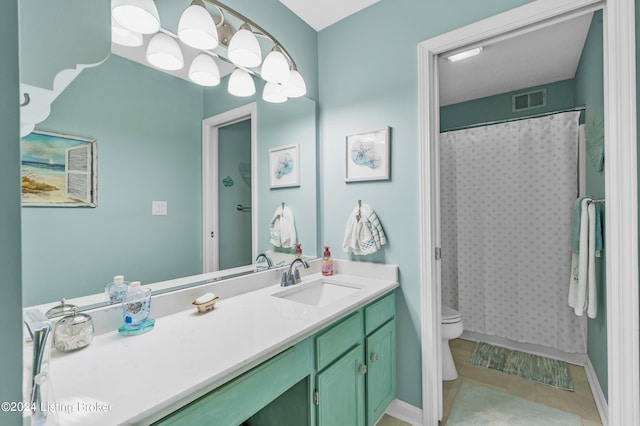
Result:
73,332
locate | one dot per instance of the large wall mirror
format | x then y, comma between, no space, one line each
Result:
148,131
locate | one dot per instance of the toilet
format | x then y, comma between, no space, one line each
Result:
451,329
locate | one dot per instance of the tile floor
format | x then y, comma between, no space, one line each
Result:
579,402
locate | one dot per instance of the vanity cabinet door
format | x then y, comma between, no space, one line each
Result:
340,391
381,370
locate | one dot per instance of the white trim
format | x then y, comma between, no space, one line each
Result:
210,218
405,412
621,220
596,390
620,187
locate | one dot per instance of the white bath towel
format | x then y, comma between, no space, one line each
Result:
363,234
582,285
282,232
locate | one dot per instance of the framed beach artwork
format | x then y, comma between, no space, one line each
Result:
58,170
284,166
367,156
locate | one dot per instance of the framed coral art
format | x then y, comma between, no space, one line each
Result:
58,170
284,166
367,156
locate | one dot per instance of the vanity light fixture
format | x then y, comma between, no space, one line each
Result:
241,83
203,30
140,16
464,55
196,27
244,49
204,71
164,52
275,68
273,93
124,37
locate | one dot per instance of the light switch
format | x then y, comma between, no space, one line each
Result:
159,208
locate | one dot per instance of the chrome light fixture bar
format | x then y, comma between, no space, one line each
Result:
198,29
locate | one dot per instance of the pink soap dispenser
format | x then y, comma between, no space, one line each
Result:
327,262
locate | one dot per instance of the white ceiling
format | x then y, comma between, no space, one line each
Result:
320,14
535,58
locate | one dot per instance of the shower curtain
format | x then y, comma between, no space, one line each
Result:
507,193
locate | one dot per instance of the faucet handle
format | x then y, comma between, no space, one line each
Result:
285,281
296,276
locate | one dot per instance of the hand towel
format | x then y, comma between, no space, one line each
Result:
364,233
583,285
282,231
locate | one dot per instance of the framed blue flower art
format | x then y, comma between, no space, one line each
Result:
367,156
284,166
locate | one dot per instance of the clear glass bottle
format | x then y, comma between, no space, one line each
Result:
327,262
136,305
116,290
298,251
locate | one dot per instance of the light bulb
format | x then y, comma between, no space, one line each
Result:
275,67
197,29
164,53
294,87
204,71
273,93
244,49
241,83
140,16
123,36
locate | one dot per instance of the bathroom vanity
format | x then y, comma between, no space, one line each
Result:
321,352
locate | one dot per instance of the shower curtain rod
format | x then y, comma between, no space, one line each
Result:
508,120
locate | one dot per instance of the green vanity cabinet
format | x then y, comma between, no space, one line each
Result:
381,370
356,362
380,326
235,401
346,372
341,391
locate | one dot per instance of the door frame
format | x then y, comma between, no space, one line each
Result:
621,223
210,178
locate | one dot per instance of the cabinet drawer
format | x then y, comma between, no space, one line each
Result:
379,312
338,339
232,403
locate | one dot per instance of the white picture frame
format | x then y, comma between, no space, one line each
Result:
284,166
367,156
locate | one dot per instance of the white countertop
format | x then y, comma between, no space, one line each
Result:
139,379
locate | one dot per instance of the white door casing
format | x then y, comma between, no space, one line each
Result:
620,187
210,217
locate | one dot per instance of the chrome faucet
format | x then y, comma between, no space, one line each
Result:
269,262
292,275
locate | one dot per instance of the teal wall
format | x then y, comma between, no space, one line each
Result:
560,96
234,232
368,79
148,130
11,300
589,83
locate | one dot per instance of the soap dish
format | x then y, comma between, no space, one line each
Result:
206,306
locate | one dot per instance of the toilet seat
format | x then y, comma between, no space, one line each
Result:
449,315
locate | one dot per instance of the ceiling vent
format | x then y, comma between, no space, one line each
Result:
529,100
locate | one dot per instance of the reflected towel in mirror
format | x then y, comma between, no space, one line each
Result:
282,231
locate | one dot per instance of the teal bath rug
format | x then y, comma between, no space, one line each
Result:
478,405
532,367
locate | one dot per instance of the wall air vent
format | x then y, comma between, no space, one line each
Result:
529,100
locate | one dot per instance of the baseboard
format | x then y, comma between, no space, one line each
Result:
405,412
596,390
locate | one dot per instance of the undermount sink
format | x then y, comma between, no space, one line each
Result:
316,293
